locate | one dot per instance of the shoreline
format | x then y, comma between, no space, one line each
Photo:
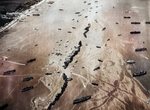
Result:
20,10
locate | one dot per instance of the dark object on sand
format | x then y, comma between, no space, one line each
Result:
3,107
58,54
77,12
31,60
98,47
130,62
148,22
36,14
61,9
103,28
9,72
135,32
108,39
82,99
27,79
87,29
96,68
94,84
50,2
48,73
127,17
140,49
135,22
100,60
27,89
139,73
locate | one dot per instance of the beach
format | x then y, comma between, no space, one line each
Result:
88,41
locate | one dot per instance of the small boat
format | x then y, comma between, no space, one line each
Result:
130,62
139,73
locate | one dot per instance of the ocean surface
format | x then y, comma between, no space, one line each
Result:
8,6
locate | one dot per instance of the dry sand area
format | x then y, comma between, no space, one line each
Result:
90,42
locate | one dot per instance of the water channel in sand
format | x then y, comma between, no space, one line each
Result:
54,36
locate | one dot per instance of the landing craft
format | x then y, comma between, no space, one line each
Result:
27,79
48,73
31,60
27,89
94,84
130,62
147,22
96,68
135,32
141,49
36,14
98,47
9,72
127,17
100,60
82,99
103,28
135,22
139,73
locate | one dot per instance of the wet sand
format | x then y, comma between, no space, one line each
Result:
54,35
